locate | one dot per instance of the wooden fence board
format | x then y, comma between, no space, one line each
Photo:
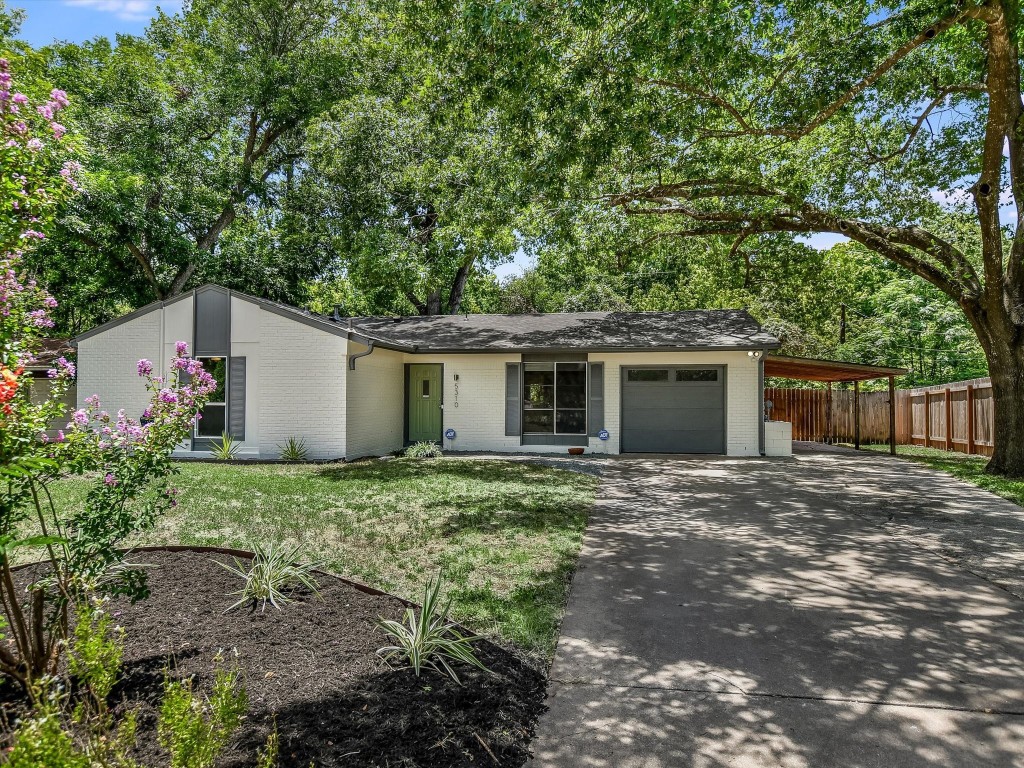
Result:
955,416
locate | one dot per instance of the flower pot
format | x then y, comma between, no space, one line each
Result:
576,451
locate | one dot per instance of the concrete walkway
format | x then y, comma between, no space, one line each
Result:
834,609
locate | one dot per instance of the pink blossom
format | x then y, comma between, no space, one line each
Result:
168,396
110,480
59,96
19,98
181,348
80,417
144,367
34,145
58,130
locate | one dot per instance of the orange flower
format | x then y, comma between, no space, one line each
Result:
8,384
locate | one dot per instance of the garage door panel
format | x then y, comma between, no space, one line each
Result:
675,418
676,410
673,441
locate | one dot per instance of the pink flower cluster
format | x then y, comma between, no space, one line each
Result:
13,103
171,408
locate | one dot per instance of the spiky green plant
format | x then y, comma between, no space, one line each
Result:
429,640
224,449
271,576
294,449
424,450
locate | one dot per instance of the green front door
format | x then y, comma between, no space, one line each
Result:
424,398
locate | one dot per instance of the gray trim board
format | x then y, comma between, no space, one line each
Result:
534,439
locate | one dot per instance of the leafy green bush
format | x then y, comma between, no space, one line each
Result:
94,660
424,450
224,449
194,728
429,640
272,573
294,449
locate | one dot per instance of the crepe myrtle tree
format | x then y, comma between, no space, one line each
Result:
127,460
897,125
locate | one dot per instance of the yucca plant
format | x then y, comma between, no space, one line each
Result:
429,640
294,449
424,450
271,576
224,449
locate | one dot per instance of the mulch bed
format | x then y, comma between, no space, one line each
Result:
312,668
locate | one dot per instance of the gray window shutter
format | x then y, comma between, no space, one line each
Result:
236,398
513,400
595,404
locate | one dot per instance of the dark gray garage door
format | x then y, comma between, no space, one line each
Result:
673,409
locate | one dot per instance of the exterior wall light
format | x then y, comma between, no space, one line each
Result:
754,353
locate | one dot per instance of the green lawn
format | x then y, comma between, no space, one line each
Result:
505,535
969,468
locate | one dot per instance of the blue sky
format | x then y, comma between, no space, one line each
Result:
79,20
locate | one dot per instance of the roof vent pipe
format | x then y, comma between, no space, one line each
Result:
337,313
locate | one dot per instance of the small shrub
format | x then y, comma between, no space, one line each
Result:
272,573
194,728
267,757
224,449
429,640
294,449
424,450
42,741
95,654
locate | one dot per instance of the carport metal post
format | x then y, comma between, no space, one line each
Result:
892,415
856,415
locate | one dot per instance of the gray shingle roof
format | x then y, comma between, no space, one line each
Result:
697,329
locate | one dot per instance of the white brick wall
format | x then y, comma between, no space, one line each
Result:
375,395
300,372
106,363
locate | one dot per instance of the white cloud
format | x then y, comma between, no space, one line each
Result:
129,10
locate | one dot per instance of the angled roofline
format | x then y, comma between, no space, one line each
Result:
353,332
293,313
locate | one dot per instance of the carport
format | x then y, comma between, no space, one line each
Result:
829,372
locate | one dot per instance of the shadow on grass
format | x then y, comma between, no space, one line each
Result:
400,470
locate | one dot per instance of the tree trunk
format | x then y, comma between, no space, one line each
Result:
1006,369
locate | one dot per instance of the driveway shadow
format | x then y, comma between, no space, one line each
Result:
787,612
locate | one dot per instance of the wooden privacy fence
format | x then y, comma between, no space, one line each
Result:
953,417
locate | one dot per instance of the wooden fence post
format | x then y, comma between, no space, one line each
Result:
971,446
829,430
856,415
927,421
949,418
892,415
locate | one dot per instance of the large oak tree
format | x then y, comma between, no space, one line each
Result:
197,123
897,125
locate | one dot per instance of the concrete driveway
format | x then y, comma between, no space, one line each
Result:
835,609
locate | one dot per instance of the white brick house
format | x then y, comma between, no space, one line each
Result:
684,382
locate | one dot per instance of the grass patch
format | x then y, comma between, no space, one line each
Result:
961,466
504,535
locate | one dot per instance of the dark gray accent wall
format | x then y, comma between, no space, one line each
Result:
513,399
595,399
555,440
236,398
212,323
